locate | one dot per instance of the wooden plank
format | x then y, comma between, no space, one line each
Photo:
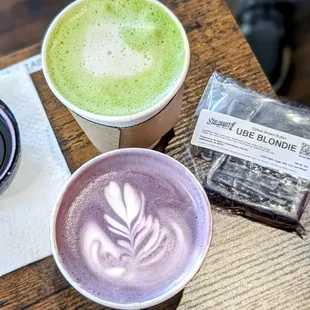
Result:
18,56
249,266
23,22
17,31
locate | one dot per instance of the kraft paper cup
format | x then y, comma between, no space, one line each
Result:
188,275
143,129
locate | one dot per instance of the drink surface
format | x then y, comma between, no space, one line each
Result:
131,231
115,57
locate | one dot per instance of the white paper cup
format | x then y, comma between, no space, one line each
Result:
89,168
142,129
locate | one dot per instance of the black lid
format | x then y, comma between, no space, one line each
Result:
9,142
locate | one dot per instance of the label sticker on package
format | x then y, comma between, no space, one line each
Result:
256,143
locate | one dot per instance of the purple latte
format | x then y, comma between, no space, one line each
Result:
130,226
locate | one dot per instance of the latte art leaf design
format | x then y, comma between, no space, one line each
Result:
126,209
142,234
140,239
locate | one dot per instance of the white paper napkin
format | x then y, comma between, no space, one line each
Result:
25,207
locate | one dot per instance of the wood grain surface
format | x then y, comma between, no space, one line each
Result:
23,22
249,266
17,56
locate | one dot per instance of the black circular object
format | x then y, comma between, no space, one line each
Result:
9,146
2,150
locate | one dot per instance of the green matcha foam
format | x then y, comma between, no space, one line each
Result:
115,57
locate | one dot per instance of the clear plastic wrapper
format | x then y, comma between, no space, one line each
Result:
240,186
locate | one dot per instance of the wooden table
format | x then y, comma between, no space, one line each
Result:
249,266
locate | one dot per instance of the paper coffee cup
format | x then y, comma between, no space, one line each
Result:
143,129
83,240
9,146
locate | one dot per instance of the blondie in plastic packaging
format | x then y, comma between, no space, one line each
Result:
251,152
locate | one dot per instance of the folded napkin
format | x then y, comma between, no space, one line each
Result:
25,207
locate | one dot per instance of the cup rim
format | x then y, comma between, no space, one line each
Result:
116,121
188,276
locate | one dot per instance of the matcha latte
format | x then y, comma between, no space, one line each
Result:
116,57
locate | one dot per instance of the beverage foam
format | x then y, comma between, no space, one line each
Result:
105,52
115,57
131,231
